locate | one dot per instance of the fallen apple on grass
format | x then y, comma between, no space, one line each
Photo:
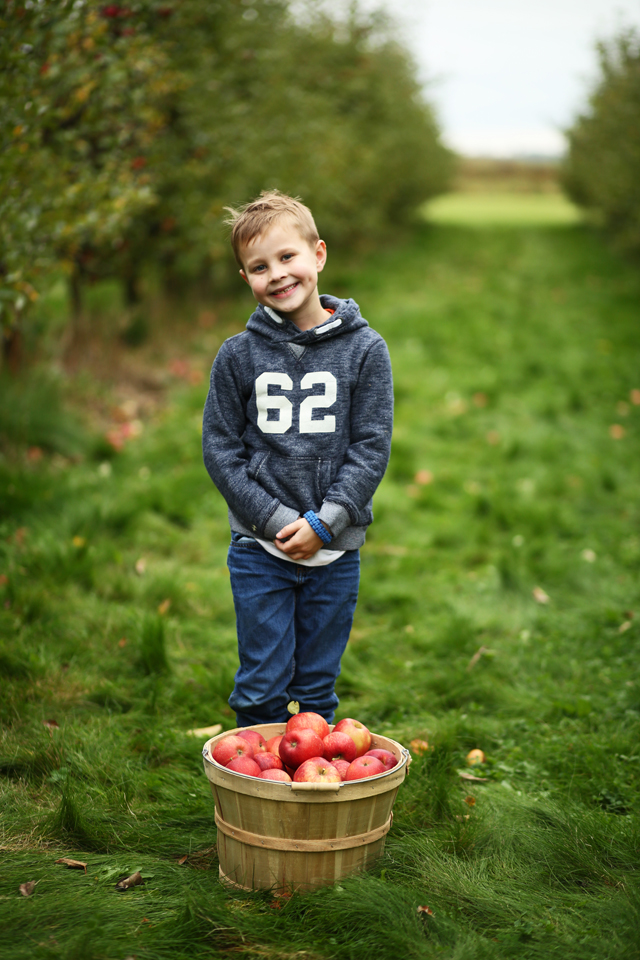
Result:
317,770
474,757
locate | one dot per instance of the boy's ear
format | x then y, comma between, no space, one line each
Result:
321,255
244,276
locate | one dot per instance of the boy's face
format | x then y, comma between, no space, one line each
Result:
282,269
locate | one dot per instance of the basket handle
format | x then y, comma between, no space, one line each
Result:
306,785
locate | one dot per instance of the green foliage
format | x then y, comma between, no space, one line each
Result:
83,98
127,130
514,352
602,171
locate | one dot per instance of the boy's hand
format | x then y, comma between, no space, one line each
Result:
301,543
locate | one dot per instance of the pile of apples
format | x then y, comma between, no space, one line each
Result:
307,752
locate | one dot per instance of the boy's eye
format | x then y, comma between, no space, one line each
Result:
287,256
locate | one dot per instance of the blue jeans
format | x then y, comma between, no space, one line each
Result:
293,624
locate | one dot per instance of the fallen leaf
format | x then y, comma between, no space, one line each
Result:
293,707
616,431
140,566
122,642
540,596
427,910
469,776
135,880
72,864
26,889
206,731
470,800
476,657
164,607
625,626
419,746
51,724
183,859
423,477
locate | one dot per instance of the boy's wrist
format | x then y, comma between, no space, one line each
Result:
318,526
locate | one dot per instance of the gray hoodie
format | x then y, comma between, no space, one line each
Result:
300,420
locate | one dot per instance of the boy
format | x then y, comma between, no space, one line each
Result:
296,437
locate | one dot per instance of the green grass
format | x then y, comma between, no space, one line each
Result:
506,209
514,353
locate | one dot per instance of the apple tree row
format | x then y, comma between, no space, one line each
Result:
602,171
129,128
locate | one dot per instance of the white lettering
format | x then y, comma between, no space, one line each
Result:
266,402
326,424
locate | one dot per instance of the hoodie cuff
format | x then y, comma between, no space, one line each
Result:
335,517
279,519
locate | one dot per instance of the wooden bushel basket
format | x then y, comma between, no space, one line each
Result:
286,836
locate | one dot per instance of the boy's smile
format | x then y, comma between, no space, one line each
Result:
282,268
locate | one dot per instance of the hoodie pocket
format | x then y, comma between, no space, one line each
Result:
299,482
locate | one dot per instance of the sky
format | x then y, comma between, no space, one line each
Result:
506,76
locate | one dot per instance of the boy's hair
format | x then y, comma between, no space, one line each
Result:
249,221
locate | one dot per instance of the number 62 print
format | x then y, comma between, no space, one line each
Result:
265,402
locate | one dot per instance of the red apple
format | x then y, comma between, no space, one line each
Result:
317,770
386,758
339,746
256,740
364,767
230,747
267,761
341,766
312,721
244,765
273,744
297,746
358,733
275,774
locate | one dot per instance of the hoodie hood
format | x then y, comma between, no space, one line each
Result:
273,326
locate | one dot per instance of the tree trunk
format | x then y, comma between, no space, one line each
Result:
12,349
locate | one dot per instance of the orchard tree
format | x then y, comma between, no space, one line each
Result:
85,94
602,170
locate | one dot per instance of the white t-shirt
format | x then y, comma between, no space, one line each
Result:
319,559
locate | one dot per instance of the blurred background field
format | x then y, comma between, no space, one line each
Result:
498,610
499,606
